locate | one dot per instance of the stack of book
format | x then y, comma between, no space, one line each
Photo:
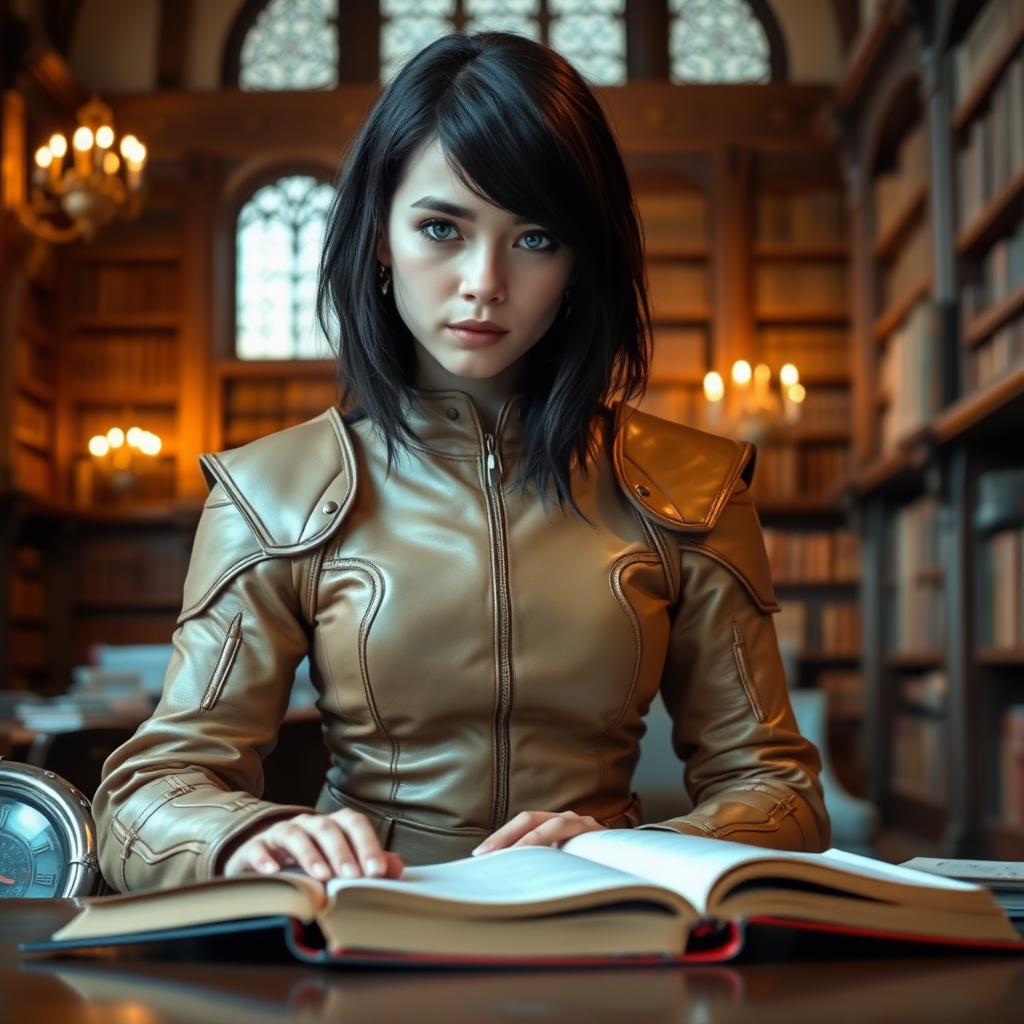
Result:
918,620
1001,620
816,351
813,556
800,286
909,376
801,218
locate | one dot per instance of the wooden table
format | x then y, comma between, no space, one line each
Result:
979,990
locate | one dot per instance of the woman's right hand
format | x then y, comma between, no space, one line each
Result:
339,845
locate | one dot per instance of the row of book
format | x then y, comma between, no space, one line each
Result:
33,421
1011,765
801,286
1002,270
1001,618
845,690
815,351
798,470
679,353
125,288
915,620
673,218
33,472
802,218
677,403
920,758
909,376
819,556
911,266
994,152
1000,352
826,409
33,363
124,361
835,630
895,188
983,42
308,396
119,573
678,288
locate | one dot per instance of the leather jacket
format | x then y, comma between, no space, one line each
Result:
477,651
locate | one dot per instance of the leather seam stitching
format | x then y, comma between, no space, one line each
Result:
709,552
746,673
225,662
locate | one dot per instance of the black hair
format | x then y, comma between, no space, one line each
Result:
523,130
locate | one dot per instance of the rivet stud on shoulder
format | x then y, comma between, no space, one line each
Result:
644,492
330,508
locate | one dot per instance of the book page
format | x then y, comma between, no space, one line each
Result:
511,877
693,865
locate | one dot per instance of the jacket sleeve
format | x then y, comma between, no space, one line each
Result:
752,776
188,781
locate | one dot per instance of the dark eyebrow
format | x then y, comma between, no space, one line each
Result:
441,206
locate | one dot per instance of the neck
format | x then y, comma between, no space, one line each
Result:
489,394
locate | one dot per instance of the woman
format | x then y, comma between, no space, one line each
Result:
492,569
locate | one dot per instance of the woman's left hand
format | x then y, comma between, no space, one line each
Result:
539,828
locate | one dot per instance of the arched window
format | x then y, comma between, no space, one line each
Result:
278,239
724,41
291,44
590,33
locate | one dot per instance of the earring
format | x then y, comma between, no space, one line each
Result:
384,278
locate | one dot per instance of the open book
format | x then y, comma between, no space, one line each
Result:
608,894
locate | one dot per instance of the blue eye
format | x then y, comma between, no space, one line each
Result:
440,230
536,241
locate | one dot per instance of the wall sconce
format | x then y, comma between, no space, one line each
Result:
95,187
124,456
750,407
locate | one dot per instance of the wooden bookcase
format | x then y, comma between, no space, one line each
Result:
934,132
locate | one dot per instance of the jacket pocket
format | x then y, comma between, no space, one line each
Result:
228,653
746,672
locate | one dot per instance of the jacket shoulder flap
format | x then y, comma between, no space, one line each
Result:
694,484
280,496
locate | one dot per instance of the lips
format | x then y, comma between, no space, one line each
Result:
478,333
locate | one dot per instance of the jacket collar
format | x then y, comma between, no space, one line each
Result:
448,422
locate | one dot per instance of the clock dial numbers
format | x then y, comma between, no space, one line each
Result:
32,861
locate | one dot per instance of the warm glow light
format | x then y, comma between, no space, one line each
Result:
115,435
111,162
134,436
99,446
82,139
58,145
797,393
43,156
741,371
714,387
150,444
762,373
789,375
129,146
105,136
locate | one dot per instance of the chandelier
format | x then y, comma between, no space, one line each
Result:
124,456
752,407
91,188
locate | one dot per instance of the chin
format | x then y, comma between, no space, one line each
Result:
475,368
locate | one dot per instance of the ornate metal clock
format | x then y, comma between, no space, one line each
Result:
47,835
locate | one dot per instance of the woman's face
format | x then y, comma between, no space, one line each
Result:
476,286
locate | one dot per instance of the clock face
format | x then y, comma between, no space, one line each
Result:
32,857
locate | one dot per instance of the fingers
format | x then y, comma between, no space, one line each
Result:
538,828
341,845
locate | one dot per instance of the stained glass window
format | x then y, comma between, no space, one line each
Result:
590,33
717,41
278,241
292,45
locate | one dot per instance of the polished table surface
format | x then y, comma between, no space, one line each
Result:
981,989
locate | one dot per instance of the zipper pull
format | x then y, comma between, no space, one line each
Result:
493,467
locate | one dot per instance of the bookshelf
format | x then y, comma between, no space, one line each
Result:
675,219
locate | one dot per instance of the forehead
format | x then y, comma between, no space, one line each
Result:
428,173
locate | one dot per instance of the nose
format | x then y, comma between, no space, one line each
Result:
483,276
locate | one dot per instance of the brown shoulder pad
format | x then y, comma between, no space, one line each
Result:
293,488
678,476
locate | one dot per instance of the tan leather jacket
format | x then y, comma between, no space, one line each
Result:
476,654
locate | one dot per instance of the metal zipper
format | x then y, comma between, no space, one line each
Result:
499,569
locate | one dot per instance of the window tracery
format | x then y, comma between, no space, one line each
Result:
278,240
717,41
293,44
